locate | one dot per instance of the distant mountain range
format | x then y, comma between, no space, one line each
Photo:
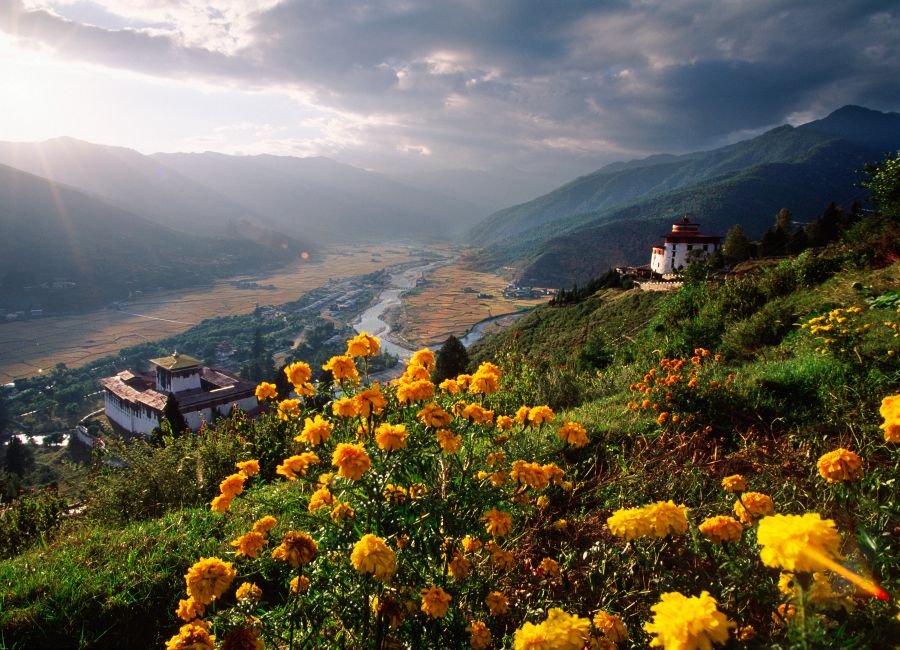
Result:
614,215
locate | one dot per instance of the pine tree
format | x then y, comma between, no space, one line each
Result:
18,457
172,413
737,246
451,360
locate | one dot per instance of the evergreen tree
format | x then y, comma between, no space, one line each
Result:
773,243
784,220
451,360
173,415
737,246
4,411
282,385
797,242
18,457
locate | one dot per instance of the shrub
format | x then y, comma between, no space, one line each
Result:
28,518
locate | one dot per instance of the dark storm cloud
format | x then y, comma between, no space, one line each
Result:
582,82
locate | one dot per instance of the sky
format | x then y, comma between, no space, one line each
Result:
550,87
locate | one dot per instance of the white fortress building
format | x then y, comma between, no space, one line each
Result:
681,247
135,402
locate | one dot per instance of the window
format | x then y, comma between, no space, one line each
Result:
690,247
706,247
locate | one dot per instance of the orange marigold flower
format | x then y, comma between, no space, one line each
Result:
530,474
497,522
840,465
753,505
432,415
721,529
470,544
435,602
297,548
479,635
549,567
504,422
265,524
497,603
243,638
415,391
372,556
315,431
295,465
370,401
232,485
248,591
449,386
352,461
341,511
208,579
561,631
248,467
540,415
391,437
342,368
249,545
189,609
415,372
477,414
459,566
288,409
890,411
521,416
662,418
265,391
423,357
299,584
192,636
363,345
320,498
395,493
449,442
345,407
220,503
611,626
298,373
573,433
486,380
734,483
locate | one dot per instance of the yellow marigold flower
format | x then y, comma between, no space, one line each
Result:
449,386
432,415
459,566
220,503
295,465
504,422
463,381
561,631
305,390
341,511
787,540
486,380
415,372
540,415
521,416
423,357
417,490
298,373
530,474
415,391
345,408
542,501
559,524
320,498
554,473
248,467
208,579
479,635
435,602
685,623
721,529
243,638
232,485
370,401
265,391
352,461
265,524
391,437
495,458
192,636
611,626
297,548
890,411
753,505
288,408
497,603
503,559
573,433
629,523
342,368
734,483
249,545
497,522
477,414
248,591
470,544
395,493
449,442
747,632
549,567
299,584
363,345
372,556
189,609
315,431
326,479
840,465
666,518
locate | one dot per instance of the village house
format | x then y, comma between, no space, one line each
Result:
134,403
681,247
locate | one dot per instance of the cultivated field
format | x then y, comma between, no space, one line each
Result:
28,346
442,307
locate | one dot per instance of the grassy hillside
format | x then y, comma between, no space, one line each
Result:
674,393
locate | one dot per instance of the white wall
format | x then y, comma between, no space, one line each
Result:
124,416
